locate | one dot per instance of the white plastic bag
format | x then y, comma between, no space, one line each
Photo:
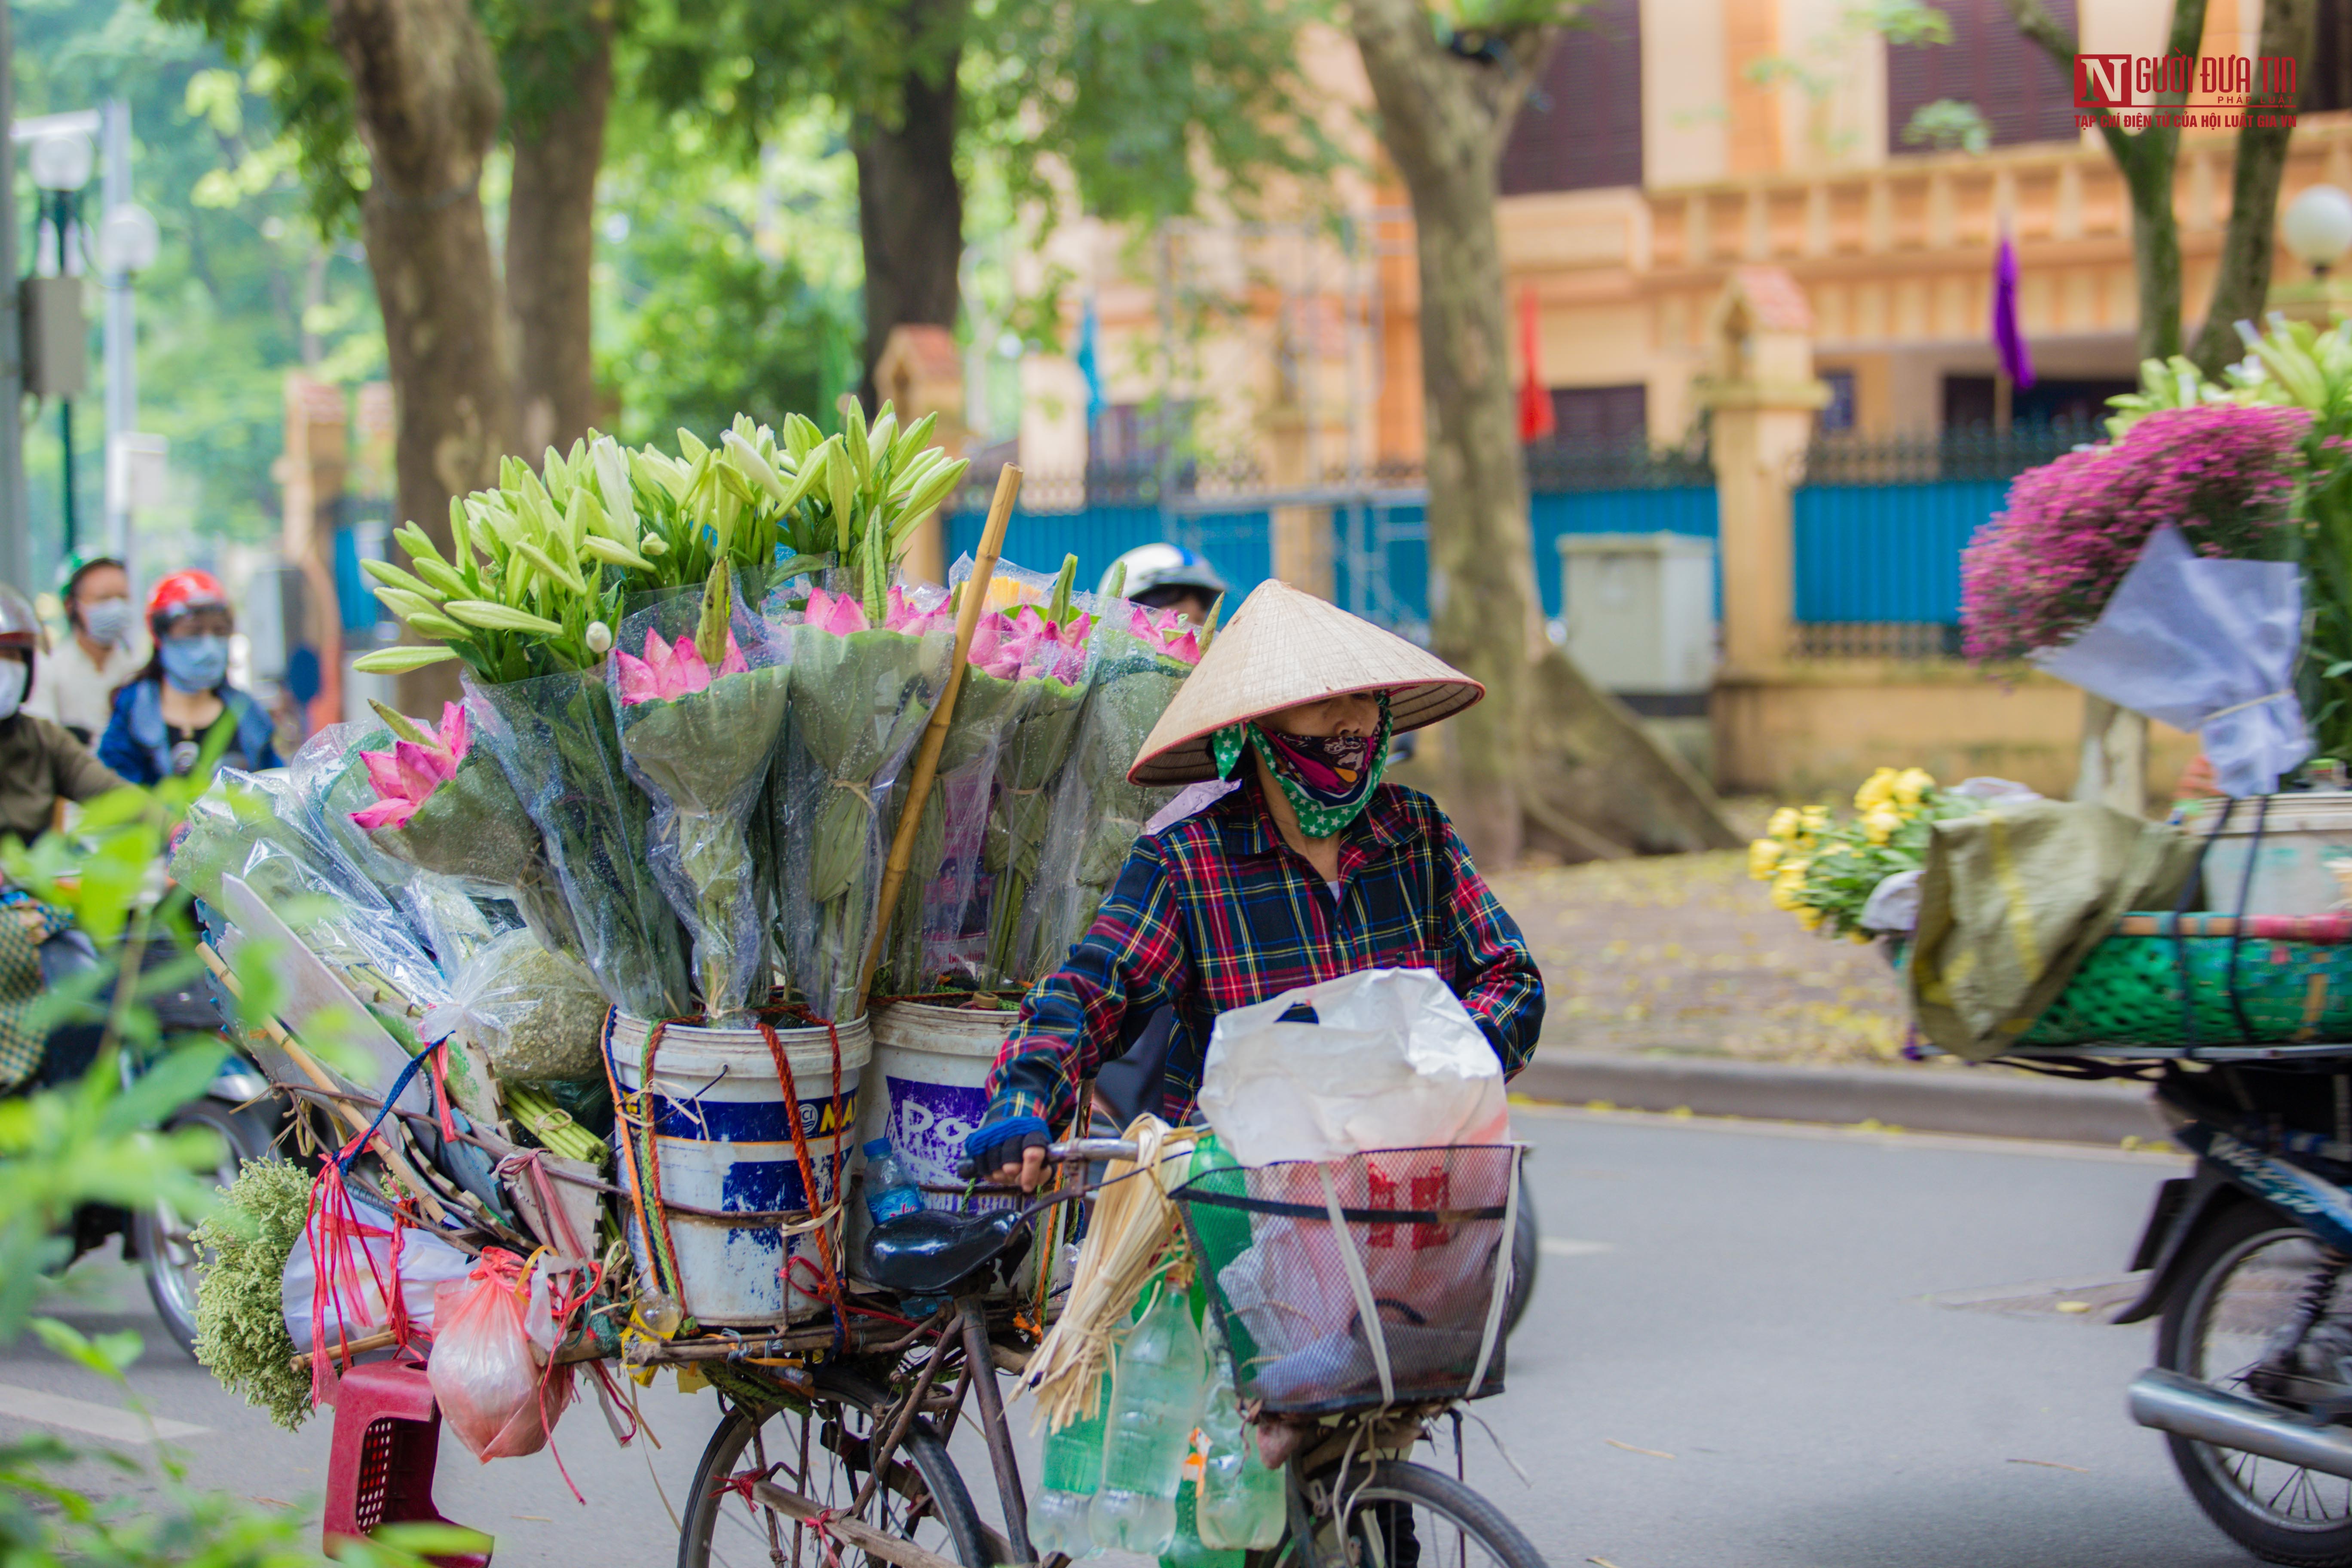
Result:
425,1262
1394,1061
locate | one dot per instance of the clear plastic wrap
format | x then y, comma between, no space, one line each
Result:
698,730
471,826
329,778
558,740
860,698
534,1015
250,827
1096,814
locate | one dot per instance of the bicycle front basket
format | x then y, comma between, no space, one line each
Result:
1291,1253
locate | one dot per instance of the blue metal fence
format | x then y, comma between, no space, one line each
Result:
1881,554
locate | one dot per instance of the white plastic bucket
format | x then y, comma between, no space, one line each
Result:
2303,866
928,1088
724,1143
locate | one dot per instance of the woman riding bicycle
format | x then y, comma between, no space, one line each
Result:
1312,868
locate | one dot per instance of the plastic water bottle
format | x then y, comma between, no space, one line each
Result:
1187,1551
1156,1392
1073,1470
889,1190
1241,1506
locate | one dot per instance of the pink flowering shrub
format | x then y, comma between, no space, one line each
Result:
2046,564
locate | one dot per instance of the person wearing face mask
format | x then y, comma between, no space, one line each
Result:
161,720
40,762
1312,868
83,672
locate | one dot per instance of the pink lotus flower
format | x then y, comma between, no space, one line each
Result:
905,615
836,613
671,670
1166,633
406,776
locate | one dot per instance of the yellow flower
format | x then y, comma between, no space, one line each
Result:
1763,857
1880,824
1816,819
1911,784
1859,937
1875,790
1784,825
1787,883
1810,918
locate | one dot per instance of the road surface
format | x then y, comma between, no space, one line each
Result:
1751,1345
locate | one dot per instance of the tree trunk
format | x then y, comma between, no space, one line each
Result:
2244,281
909,201
2145,159
1443,119
426,89
551,243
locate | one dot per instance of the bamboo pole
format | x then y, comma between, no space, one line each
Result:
935,734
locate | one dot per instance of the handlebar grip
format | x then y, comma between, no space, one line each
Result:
967,1170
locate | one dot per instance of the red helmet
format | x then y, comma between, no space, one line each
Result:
180,592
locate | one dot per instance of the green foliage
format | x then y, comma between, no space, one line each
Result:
240,1326
242,288
1949,125
715,328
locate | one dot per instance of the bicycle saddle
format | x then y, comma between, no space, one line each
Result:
932,1252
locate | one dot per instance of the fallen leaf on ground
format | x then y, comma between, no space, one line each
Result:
2052,1464
1632,1449
2074,1306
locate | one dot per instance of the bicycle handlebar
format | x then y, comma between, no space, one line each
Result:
1076,1149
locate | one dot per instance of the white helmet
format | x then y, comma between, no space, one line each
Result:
1163,566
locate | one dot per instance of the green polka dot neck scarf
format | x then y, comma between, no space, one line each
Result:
1328,779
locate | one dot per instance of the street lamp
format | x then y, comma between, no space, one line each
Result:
60,161
2317,227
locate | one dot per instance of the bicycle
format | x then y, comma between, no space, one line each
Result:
850,1458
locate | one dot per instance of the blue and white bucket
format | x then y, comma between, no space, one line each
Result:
724,1143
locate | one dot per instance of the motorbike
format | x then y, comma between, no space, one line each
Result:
2250,1281
239,1106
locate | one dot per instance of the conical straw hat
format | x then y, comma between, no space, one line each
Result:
1284,647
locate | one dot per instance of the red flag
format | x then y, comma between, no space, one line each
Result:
1536,419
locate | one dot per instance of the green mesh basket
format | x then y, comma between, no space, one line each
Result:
2129,990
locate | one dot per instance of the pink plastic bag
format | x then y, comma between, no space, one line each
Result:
491,1389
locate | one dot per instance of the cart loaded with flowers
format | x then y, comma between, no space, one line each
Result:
585,985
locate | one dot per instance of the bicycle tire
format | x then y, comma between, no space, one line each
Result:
950,1502
1399,1482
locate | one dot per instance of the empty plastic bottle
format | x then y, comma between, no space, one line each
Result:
1241,1506
889,1190
1156,1391
1187,1550
1073,1470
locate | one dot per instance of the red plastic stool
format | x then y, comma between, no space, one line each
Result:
387,1436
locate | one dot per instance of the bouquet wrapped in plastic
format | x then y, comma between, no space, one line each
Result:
1049,649
557,737
444,805
329,780
861,695
934,936
699,713
1142,656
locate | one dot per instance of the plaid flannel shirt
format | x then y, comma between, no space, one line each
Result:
1217,913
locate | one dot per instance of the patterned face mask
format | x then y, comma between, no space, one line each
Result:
1328,779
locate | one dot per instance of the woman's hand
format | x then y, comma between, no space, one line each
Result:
1026,1173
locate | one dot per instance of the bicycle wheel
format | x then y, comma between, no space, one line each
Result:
824,1452
1393,1514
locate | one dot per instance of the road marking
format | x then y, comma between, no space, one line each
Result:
1568,1247
97,1420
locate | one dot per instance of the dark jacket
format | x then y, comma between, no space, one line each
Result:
138,745
41,763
